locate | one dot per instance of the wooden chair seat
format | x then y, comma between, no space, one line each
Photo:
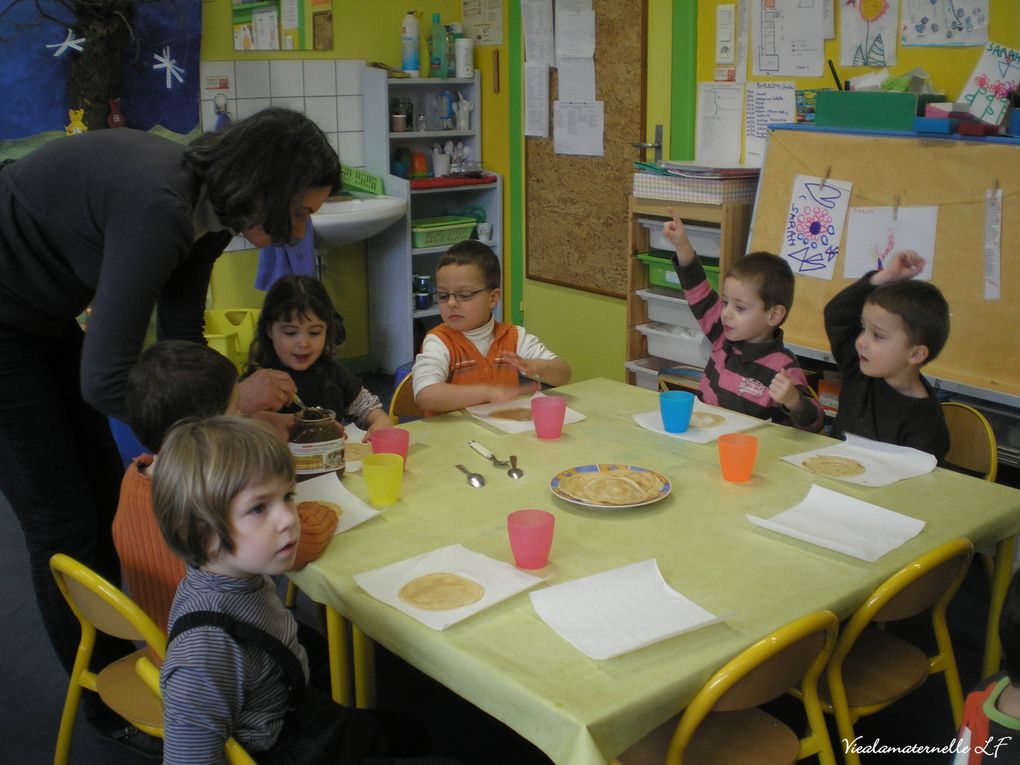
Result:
879,669
120,688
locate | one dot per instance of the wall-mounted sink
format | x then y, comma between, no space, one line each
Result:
345,221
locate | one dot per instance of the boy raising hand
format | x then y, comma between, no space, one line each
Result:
883,328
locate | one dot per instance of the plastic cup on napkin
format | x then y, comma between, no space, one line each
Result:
676,406
548,413
390,441
737,452
383,475
531,533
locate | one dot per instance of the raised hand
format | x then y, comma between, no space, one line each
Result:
901,265
675,232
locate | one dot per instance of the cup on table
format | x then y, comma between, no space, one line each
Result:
390,441
548,412
383,475
736,456
676,406
531,533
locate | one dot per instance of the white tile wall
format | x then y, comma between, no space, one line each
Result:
327,91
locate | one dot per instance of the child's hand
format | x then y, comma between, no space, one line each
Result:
674,231
527,367
500,393
901,265
377,420
783,391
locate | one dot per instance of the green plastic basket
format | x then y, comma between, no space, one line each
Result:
661,273
446,229
356,179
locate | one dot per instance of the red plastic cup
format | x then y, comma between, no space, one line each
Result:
390,441
531,533
548,413
737,452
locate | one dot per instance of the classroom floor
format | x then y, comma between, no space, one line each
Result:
34,684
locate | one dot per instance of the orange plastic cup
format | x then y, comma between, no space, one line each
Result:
737,452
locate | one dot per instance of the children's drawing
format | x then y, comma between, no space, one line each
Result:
993,79
944,22
814,225
867,33
875,233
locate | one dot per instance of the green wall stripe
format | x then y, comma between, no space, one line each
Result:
516,191
683,89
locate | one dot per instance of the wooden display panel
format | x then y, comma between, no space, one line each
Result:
984,345
576,207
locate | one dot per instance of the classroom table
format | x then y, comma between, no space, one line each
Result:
509,663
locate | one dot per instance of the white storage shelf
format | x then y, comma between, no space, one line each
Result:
391,256
666,306
676,343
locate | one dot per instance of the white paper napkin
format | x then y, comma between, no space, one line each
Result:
500,580
482,412
829,519
618,611
883,463
733,422
327,487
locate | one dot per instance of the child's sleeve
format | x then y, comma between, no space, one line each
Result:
363,405
843,321
530,347
431,366
703,300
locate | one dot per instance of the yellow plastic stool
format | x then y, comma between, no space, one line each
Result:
240,323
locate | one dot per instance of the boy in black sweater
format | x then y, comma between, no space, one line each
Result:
883,329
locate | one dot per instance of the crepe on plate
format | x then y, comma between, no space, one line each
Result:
706,420
440,591
515,413
833,466
614,487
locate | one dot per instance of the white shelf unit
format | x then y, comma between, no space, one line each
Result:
394,324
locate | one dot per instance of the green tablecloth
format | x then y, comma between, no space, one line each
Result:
508,662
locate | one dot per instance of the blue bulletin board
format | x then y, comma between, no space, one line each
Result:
160,70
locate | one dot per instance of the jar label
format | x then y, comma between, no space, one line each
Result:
318,457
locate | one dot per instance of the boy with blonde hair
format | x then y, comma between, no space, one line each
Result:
883,328
471,358
749,369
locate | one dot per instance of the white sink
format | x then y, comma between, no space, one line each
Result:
340,222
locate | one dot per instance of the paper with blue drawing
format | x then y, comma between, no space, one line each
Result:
814,225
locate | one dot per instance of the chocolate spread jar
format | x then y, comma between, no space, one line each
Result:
316,443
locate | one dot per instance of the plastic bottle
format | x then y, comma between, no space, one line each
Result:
410,45
437,48
451,56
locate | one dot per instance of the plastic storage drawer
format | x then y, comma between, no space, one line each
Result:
704,239
667,306
661,273
676,343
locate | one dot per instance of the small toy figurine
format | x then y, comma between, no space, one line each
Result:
223,120
76,125
115,119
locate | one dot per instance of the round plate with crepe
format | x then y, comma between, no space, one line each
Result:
610,486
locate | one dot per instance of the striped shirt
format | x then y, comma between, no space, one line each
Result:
214,688
738,374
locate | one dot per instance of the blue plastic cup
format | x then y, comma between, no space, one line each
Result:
676,407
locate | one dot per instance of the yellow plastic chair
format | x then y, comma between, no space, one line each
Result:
99,605
723,724
871,669
229,346
403,406
971,440
149,675
238,322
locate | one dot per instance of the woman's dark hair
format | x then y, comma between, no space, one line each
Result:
293,296
254,170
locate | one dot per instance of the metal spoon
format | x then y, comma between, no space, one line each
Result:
473,478
514,471
487,454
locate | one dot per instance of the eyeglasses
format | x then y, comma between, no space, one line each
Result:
460,297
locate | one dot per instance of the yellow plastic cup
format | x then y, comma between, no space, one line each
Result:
384,474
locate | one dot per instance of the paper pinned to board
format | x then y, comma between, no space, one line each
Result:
536,99
873,234
537,23
993,243
719,119
765,103
578,128
814,225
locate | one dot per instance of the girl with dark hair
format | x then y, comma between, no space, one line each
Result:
298,331
127,222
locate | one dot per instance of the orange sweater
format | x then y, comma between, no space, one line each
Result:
151,572
469,367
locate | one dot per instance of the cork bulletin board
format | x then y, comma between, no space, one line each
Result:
984,344
576,207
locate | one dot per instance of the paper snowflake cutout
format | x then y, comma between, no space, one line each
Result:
69,42
170,65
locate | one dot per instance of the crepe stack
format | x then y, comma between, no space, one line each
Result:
614,487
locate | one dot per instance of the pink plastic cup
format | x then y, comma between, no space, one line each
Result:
391,441
737,452
548,413
531,533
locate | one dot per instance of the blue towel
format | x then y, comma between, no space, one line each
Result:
275,262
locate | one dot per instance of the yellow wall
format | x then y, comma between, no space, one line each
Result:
588,330
361,30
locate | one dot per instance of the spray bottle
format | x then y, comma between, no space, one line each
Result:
410,45
437,48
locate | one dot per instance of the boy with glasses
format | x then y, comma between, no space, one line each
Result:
471,358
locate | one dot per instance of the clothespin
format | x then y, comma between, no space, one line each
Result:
996,188
826,176
896,208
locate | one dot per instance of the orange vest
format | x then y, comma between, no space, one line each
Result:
469,367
